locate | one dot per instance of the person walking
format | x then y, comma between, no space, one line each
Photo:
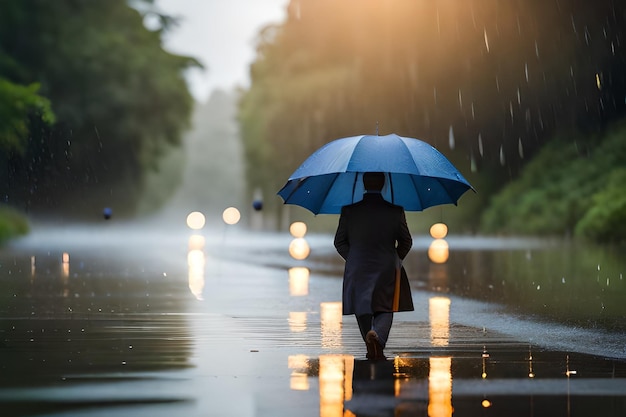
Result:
373,238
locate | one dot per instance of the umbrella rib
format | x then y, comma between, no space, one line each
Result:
296,188
446,190
417,192
330,186
356,176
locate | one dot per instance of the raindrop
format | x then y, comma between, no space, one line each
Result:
480,145
526,70
538,287
438,24
520,148
486,39
298,11
519,96
598,82
536,49
473,112
460,99
502,159
563,280
473,167
451,137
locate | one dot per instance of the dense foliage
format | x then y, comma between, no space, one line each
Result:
573,186
12,223
89,100
488,82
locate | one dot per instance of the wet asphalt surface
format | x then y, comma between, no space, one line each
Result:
142,322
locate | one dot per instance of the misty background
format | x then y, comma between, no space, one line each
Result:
99,110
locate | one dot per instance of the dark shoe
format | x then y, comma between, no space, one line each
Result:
374,348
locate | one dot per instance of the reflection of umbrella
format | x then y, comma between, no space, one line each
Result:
418,175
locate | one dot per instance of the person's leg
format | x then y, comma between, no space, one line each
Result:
365,324
382,326
365,327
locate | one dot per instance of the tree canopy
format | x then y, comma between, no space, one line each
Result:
488,82
89,100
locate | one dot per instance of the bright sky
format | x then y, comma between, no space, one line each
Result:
220,34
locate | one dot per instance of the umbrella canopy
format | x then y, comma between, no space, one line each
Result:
417,175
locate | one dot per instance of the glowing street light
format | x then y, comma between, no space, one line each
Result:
231,216
195,220
439,230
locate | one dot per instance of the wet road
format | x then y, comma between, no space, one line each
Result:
140,321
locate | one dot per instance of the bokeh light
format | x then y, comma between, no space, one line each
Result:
196,263
195,220
297,229
299,281
297,321
231,216
196,242
438,251
439,230
299,249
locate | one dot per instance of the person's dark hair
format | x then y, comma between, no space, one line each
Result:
373,181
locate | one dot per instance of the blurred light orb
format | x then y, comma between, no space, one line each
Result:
195,220
107,213
438,251
257,205
486,403
439,230
196,242
299,249
297,229
195,257
231,215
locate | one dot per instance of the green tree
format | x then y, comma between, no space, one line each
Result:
488,82
18,104
120,101
574,186
605,221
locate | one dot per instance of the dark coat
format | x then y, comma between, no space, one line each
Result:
372,234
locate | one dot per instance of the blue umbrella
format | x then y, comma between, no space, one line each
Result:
418,176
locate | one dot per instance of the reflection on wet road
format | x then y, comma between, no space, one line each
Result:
95,321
